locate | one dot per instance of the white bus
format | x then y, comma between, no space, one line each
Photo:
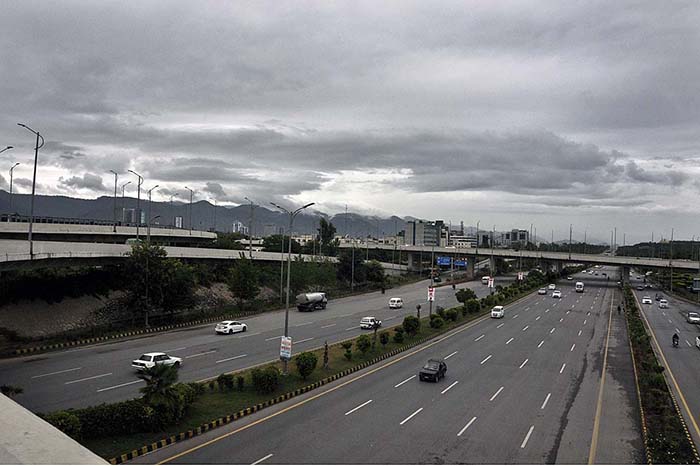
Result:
579,287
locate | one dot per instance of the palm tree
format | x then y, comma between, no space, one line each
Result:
159,388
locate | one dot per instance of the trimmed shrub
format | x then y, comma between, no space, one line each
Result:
384,338
66,422
347,345
439,310
198,388
240,383
306,363
124,417
452,314
265,381
436,321
473,306
225,382
363,344
411,325
398,335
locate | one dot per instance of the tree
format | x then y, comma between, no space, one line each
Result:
306,363
273,243
398,335
347,345
472,306
229,241
345,264
452,314
374,272
411,325
243,280
464,295
326,233
325,354
436,321
363,344
384,338
159,390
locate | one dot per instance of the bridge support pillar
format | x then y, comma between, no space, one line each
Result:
492,266
625,273
559,266
412,262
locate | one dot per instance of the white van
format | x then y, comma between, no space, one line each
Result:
497,312
395,303
579,287
485,279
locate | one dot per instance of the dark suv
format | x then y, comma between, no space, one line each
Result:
434,370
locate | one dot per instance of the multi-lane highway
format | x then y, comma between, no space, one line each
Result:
682,363
102,373
523,389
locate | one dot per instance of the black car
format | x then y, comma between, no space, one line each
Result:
434,370
437,279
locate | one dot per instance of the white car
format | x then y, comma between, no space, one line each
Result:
663,304
148,360
370,323
693,318
697,342
552,286
646,300
498,312
229,327
556,294
542,291
395,303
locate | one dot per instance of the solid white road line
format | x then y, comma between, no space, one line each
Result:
231,359
401,383
451,354
527,437
510,340
496,394
538,317
466,427
273,338
546,400
552,331
57,372
358,407
526,327
482,336
501,325
523,364
487,358
579,332
327,326
263,459
452,385
562,368
541,343
200,354
572,347
88,378
409,417
305,323
119,386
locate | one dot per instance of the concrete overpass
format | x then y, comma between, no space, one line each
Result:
556,258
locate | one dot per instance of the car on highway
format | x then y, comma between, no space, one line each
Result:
556,294
229,327
498,312
657,297
569,277
395,303
370,323
697,342
485,280
640,287
433,370
663,304
148,360
693,318
552,286
542,291
646,300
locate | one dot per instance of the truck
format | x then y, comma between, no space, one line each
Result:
579,287
311,301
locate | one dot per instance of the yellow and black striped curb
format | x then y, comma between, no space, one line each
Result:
685,426
116,336
253,409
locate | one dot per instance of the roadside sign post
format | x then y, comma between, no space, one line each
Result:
521,275
286,348
431,298
490,285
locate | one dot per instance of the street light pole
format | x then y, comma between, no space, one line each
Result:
292,215
6,148
11,174
116,176
138,203
124,200
191,194
250,227
148,227
31,208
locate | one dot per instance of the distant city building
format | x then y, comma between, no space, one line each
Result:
129,215
513,238
240,227
420,233
178,222
463,241
270,229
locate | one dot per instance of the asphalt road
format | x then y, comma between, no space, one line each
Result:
522,389
682,363
102,373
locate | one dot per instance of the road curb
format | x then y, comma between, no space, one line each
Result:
253,409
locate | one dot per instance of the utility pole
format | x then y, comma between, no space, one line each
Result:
116,176
31,208
138,203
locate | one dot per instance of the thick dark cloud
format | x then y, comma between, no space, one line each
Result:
87,181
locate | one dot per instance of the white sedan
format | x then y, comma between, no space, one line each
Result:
552,286
148,360
229,327
556,294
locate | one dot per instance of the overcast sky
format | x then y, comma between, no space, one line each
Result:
511,113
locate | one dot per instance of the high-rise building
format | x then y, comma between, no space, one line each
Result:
240,227
420,233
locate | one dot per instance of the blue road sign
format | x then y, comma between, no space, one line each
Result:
442,260
461,263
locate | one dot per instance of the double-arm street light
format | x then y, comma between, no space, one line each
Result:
292,215
253,205
138,203
191,195
39,144
11,177
116,177
148,227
